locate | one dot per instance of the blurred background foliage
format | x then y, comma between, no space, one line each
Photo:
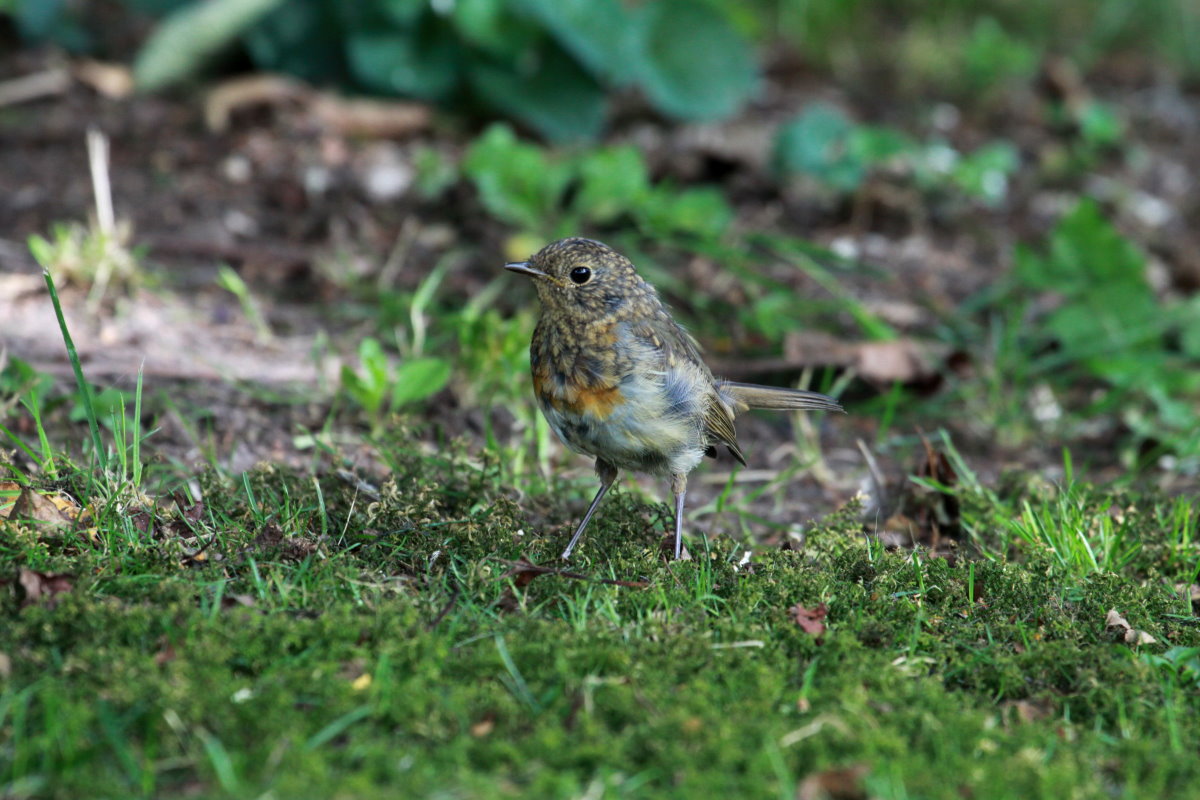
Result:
556,66
527,91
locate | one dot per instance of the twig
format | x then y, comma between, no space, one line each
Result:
97,150
34,87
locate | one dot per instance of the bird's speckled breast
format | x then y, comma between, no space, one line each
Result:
610,392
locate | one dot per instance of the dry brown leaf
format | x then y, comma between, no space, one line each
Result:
166,652
251,90
810,620
1115,623
1029,710
346,116
9,491
237,601
42,587
897,360
835,784
377,119
37,507
114,81
484,726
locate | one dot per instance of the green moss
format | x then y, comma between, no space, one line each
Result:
979,676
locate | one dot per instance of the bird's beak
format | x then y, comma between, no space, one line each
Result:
524,268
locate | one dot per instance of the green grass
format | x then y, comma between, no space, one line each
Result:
330,644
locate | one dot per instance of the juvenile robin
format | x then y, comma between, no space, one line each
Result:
618,379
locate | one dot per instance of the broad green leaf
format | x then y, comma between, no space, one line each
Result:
419,378
614,182
402,12
492,26
816,143
991,56
595,32
303,38
550,93
1190,336
690,61
698,212
422,63
1085,251
1099,124
516,181
184,41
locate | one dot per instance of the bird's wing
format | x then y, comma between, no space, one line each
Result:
680,350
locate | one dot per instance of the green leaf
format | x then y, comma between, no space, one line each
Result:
698,212
491,26
402,12
816,143
614,182
690,61
436,171
991,56
1085,250
185,40
419,378
303,38
516,181
1190,336
549,92
595,32
1099,124
869,145
369,388
422,62
984,173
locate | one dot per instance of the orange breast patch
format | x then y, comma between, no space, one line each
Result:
574,397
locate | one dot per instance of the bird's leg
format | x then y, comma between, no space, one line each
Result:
607,474
679,489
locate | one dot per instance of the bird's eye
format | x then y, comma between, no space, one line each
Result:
581,275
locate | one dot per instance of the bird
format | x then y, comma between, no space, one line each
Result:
618,379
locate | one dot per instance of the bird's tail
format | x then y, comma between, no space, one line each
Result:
742,396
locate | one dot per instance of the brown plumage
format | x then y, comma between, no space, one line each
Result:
618,379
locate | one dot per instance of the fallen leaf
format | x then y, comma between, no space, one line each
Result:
192,512
383,119
34,506
810,620
288,548
347,116
114,81
522,572
142,521
41,587
237,601
484,726
1029,710
895,361
667,549
251,90
1115,623
835,784
165,654
9,490
361,682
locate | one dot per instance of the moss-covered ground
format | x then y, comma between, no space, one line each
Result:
287,636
